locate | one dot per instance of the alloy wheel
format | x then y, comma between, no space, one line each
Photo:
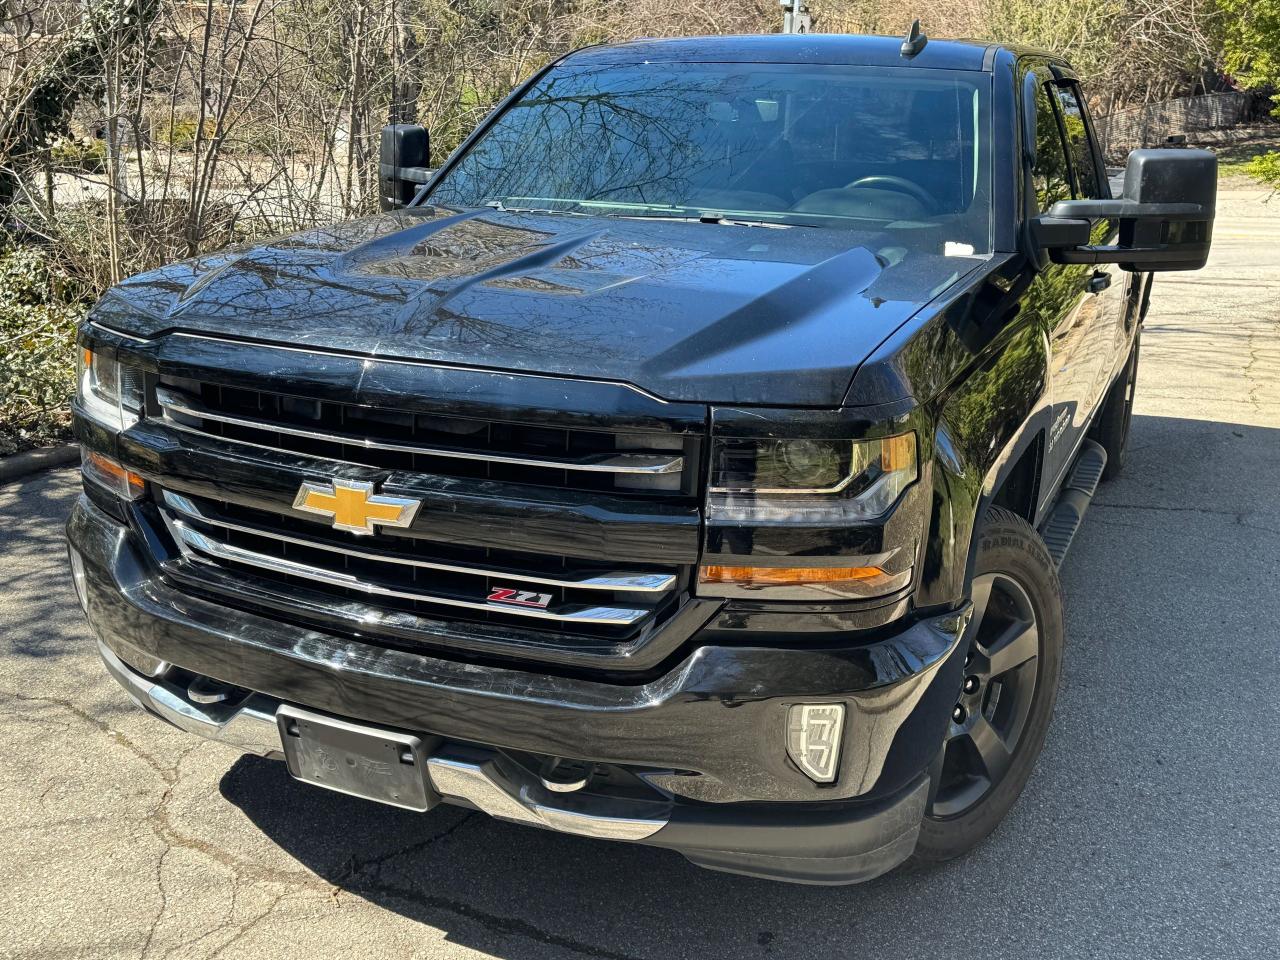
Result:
996,694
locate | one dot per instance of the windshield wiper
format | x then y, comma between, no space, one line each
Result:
503,208
707,218
597,209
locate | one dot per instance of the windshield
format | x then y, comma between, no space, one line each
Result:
903,150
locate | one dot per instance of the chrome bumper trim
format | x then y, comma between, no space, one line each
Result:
483,785
251,727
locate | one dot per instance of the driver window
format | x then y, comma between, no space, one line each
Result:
1050,174
1078,147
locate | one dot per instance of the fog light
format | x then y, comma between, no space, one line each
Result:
813,738
77,578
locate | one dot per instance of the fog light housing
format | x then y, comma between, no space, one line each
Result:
813,739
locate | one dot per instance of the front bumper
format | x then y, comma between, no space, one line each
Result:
707,737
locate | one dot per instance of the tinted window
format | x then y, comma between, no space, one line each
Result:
1077,137
1051,173
896,150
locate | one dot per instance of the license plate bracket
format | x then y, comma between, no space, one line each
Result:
387,766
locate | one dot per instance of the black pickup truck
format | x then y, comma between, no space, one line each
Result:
686,461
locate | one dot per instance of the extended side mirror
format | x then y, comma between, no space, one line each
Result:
1165,215
404,153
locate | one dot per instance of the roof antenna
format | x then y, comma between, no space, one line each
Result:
915,40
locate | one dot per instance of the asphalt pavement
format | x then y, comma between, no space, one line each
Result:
1150,829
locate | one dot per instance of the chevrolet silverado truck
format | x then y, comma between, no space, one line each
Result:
687,460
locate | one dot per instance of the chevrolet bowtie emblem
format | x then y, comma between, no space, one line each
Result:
353,506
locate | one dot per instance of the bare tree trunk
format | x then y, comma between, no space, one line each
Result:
354,129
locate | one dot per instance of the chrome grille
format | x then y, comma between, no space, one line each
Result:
407,573
429,443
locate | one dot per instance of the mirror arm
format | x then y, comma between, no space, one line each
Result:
1127,209
1127,257
411,174
1050,232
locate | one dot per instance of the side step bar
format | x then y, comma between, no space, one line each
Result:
1059,529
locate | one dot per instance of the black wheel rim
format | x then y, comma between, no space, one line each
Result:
999,686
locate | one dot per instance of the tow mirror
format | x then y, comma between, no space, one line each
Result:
404,153
1165,215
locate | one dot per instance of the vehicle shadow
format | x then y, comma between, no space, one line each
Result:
519,892
1081,851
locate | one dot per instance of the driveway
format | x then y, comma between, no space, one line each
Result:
1150,830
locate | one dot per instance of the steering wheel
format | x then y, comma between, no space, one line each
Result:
899,184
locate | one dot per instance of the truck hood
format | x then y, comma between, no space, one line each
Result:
704,312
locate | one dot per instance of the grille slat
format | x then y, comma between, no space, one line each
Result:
199,547
637,582
287,549
615,463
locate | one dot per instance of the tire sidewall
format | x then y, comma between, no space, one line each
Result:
1008,545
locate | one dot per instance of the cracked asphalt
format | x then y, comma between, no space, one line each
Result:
1150,829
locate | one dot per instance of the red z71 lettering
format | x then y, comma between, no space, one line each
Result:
521,598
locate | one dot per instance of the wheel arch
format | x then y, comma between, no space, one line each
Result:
996,460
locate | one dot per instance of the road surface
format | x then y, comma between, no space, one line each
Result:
1150,829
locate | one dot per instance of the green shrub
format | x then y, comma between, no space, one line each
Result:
180,134
39,309
82,153
1266,169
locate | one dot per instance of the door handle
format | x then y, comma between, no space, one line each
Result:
1099,281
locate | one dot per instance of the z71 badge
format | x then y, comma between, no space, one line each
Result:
520,598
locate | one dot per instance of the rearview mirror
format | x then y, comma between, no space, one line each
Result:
402,164
1165,215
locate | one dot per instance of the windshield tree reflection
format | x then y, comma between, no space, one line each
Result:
903,150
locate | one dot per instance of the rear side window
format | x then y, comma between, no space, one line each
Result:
1076,134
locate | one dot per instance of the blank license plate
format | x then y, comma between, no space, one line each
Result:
382,765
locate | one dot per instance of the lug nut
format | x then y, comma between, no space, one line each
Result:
958,714
971,684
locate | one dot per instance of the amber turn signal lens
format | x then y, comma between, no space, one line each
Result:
779,576
898,453
124,483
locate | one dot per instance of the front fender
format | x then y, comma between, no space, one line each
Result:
984,426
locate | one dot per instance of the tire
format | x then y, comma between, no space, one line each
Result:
1111,429
1017,671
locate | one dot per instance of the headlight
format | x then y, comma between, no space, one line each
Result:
109,392
810,481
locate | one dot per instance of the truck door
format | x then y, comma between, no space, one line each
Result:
1075,303
1106,284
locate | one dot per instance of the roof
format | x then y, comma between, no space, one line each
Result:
830,48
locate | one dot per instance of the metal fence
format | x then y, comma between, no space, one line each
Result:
1151,125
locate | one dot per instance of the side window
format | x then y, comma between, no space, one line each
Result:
1051,174
1077,136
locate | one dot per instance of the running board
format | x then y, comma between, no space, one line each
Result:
1059,529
